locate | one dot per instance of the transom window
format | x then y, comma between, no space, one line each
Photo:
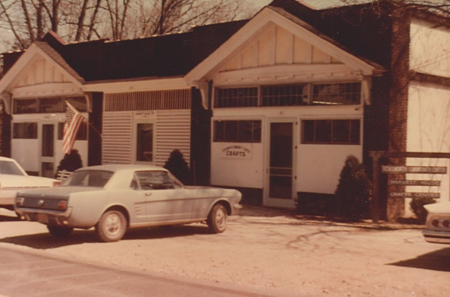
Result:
237,131
331,131
48,105
284,95
336,94
237,97
289,95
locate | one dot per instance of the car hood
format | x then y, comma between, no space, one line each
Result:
56,192
443,207
19,181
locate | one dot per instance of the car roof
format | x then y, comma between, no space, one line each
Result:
6,159
124,167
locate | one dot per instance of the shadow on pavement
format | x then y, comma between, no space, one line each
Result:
438,260
47,241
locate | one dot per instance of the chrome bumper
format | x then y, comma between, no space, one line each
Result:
436,236
45,216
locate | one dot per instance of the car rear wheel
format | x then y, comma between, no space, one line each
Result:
217,219
59,231
111,226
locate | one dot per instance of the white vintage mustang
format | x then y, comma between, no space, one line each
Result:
13,178
437,227
112,198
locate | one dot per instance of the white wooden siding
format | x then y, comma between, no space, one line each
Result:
117,138
173,131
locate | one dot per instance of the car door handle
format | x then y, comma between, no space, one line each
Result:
148,194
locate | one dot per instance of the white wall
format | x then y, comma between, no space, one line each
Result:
28,151
429,49
429,131
318,166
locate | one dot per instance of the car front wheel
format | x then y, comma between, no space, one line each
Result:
111,226
217,219
59,231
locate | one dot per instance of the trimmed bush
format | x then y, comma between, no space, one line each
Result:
354,191
70,162
418,209
178,167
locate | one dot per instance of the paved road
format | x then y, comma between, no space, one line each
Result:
29,274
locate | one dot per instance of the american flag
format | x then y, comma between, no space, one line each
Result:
73,123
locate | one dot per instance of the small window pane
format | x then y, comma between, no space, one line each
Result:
231,131
323,131
219,131
245,131
308,131
25,130
256,126
355,131
341,133
144,147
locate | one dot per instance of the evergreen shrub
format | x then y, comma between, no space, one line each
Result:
354,191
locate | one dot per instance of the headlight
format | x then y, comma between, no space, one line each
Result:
19,201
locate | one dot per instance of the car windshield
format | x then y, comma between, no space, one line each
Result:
8,167
89,178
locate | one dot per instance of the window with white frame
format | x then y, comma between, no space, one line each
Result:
48,105
336,94
237,131
289,95
25,131
331,132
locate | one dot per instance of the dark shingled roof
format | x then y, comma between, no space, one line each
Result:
161,56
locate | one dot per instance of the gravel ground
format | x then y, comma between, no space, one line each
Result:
266,249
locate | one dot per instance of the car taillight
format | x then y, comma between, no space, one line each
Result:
435,223
62,204
56,183
445,223
19,201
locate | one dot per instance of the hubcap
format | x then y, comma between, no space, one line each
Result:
221,218
113,224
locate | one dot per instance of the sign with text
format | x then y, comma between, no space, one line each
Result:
413,169
414,195
236,152
402,182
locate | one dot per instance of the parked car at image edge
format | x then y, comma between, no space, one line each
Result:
437,227
113,198
13,178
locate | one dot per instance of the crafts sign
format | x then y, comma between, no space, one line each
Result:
236,152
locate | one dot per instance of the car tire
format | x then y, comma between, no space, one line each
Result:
217,219
111,226
59,231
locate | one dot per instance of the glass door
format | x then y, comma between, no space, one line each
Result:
280,187
48,150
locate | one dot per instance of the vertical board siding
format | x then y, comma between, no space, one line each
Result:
173,131
117,138
172,126
151,100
